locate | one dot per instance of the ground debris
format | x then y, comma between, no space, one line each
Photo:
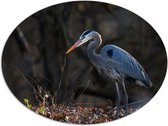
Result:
81,114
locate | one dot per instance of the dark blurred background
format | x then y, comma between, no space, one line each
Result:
35,53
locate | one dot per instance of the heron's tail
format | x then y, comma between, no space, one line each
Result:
147,81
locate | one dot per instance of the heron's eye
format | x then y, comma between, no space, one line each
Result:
82,37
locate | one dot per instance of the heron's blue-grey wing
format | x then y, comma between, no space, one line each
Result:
124,63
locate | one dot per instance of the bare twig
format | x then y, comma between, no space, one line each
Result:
24,77
60,81
137,102
110,102
45,78
59,84
82,91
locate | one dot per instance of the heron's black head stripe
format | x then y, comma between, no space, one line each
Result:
110,53
86,32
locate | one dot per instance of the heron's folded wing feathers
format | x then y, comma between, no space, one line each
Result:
123,62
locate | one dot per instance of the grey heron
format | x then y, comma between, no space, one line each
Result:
114,63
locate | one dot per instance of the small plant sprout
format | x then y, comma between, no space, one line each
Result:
26,101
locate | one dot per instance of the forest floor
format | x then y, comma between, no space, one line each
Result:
80,114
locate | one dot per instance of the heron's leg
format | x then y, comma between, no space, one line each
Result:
126,97
118,99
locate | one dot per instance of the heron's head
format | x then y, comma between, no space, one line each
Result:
85,37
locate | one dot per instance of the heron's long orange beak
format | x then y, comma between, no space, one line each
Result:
78,43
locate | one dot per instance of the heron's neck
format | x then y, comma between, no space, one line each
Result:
91,49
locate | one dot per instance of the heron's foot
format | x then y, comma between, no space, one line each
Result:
116,115
126,112
116,112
